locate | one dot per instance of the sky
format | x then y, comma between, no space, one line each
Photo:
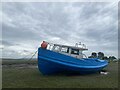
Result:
26,24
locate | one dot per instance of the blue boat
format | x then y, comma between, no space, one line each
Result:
56,58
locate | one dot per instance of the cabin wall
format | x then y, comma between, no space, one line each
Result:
53,48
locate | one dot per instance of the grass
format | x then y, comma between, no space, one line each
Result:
14,77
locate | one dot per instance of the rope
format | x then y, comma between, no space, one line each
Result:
33,55
26,55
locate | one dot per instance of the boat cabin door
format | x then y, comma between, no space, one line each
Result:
76,53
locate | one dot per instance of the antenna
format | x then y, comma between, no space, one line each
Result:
76,45
79,43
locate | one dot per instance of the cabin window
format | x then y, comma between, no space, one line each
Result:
75,51
50,47
80,52
64,49
56,48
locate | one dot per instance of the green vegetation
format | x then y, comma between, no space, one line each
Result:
15,77
101,55
17,62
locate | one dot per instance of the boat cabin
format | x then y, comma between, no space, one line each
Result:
73,51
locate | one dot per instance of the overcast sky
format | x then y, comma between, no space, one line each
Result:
26,24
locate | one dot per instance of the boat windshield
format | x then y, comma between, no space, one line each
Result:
61,49
66,50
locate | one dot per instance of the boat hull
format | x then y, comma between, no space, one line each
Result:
50,62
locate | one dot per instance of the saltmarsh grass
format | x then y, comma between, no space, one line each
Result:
27,77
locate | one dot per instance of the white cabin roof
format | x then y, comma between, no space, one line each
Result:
73,47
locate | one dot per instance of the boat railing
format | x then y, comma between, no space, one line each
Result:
80,45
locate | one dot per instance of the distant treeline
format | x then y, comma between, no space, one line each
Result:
101,55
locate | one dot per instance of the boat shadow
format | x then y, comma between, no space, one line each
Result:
66,73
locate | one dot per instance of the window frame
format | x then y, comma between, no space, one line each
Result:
73,51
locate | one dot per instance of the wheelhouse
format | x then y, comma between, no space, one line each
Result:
73,51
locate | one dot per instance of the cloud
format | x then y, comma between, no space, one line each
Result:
26,24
